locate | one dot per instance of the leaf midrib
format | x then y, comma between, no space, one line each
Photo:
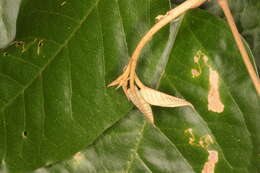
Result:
62,46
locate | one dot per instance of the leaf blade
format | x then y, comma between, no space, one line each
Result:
67,104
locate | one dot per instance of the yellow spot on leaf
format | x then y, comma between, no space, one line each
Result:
63,3
192,137
195,73
204,141
196,59
78,157
205,59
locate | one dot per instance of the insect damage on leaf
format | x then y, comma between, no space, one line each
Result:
192,137
39,45
78,157
196,72
20,44
203,141
209,166
158,98
214,101
63,3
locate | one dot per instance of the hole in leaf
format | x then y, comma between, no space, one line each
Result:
19,43
40,43
25,134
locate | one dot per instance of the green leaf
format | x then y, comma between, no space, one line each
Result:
235,130
53,95
247,17
132,145
8,15
182,138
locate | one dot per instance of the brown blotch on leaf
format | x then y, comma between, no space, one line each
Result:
205,141
214,102
20,44
209,166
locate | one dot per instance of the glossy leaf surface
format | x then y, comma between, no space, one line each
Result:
247,16
53,95
184,137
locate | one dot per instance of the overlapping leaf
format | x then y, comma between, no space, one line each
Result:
53,95
8,16
185,139
247,16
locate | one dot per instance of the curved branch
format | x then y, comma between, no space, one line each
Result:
171,15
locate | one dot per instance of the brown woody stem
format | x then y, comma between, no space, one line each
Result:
224,5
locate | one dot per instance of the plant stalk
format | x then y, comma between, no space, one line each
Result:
171,15
224,5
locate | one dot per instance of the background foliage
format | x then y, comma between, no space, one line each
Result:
57,115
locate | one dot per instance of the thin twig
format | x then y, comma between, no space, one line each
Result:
171,15
129,73
224,5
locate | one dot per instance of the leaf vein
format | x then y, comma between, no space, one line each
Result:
53,57
23,61
57,14
135,149
12,79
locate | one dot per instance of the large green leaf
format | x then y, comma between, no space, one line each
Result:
173,145
8,15
53,95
